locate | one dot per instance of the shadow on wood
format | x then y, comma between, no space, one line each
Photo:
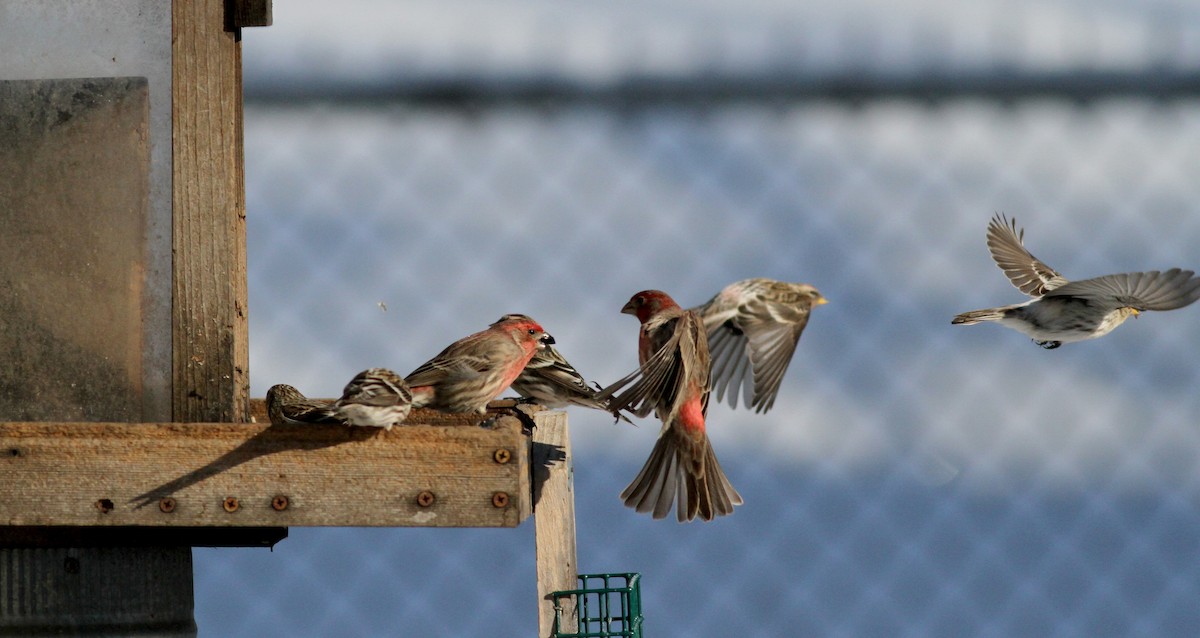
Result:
274,439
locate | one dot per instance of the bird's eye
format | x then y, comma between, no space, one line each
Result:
532,331
640,299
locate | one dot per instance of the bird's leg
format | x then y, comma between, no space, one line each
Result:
1048,345
526,420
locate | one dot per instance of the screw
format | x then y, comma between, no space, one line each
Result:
425,498
502,456
105,505
166,505
500,499
230,504
279,503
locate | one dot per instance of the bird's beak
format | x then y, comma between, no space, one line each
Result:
821,301
628,309
546,340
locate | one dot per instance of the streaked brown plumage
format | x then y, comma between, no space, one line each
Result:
376,397
673,381
286,404
753,327
472,371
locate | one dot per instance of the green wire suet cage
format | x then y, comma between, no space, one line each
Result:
607,605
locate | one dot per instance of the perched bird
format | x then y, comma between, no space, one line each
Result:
551,381
476,369
753,328
286,404
376,398
673,381
1064,311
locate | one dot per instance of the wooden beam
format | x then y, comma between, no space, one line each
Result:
554,522
446,472
210,349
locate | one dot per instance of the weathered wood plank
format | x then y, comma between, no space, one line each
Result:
554,522
447,474
210,349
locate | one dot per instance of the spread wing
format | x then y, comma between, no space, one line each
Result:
1028,273
751,351
660,380
1153,290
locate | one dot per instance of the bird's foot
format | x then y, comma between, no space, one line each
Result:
1048,345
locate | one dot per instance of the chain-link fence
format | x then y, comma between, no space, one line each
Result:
914,478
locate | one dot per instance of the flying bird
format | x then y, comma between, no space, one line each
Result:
753,327
672,380
1063,311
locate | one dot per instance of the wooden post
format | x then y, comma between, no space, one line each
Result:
210,348
85,589
554,519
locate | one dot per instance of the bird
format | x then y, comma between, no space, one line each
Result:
286,405
472,371
672,380
1063,311
753,327
551,381
376,397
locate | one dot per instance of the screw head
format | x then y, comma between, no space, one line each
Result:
166,504
230,504
279,503
425,498
502,456
500,499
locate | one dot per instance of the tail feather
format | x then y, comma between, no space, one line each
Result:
977,316
684,472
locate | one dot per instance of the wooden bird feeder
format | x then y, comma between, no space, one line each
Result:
127,433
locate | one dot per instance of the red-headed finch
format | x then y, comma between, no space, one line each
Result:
377,397
551,381
285,404
476,369
753,328
1064,311
672,380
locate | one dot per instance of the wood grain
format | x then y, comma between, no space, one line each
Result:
210,351
554,520
119,473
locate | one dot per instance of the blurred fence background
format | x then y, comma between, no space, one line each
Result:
417,169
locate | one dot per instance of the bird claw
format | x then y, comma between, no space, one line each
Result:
1048,345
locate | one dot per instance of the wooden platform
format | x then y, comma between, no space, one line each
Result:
437,471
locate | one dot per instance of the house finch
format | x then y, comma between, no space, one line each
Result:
286,405
376,397
477,368
551,381
753,328
1063,311
673,381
